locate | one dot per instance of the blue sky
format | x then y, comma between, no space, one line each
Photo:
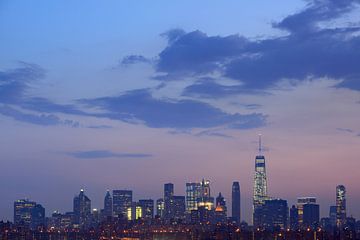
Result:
92,92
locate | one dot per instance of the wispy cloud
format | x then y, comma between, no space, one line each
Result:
95,154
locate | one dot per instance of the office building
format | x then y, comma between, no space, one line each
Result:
294,218
311,215
192,194
122,200
260,180
340,206
108,205
160,207
147,206
82,209
300,203
236,204
272,214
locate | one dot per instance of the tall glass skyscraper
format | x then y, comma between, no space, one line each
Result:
235,210
260,180
192,194
108,205
340,206
122,200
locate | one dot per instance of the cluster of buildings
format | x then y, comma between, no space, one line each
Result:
198,206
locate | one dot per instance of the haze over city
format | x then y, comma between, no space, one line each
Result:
132,95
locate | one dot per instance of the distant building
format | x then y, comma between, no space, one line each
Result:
192,194
160,207
134,212
82,209
168,201
272,214
260,181
108,205
311,215
28,213
220,209
340,206
236,204
294,218
147,206
300,203
122,200
178,207
332,215
205,199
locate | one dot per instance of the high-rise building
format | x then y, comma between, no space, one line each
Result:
168,200
22,211
108,205
134,212
340,206
192,194
260,180
301,201
294,218
160,207
147,206
332,215
220,209
311,215
205,199
122,200
82,209
178,207
272,214
236,204
29,213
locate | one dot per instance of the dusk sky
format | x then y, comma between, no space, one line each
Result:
134,94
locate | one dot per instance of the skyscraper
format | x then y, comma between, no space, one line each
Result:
160,208
301,201
147,206
205,199
236,205
220,209
29,213
260,180
122,200
178,207
273,213
168,200
108,205
340,206
82,209
192,194
294,218
332,215
311,215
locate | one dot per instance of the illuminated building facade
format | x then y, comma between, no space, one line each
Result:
340,206
205,199
28,213
192,194
147,206
122,200
300,206
82,209
160,207
168,200
260,180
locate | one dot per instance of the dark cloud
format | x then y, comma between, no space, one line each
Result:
38,119
307,51
139,106
347,130
133,59
15,82
197,53
106,154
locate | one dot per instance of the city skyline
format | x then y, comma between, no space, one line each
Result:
131,95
